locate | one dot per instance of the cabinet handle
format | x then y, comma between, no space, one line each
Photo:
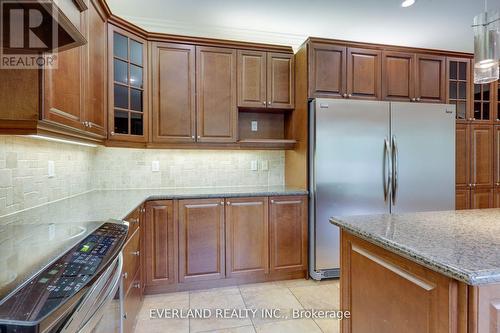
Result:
229,203
349,96
269,103
137,285
125,315
112,133
264,103
89,124
272,201
413,99
125,275
344,95
222,203
418,99
133,220
192,137
135,253
199,137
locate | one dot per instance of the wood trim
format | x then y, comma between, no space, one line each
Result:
388,47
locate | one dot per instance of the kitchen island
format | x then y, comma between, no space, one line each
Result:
421,272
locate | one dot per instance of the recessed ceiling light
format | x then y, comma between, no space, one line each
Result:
407,3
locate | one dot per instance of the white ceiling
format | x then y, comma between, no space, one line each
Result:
439,24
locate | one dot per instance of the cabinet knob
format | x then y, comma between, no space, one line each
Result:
136,220
192,137
124,315
137,285
269,103
125,275
349,96
222,203
229,203
89,124
135,253
199,137
344,95
264,103
272,201
413,99
112,133
418,99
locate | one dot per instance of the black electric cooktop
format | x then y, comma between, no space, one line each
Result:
62,284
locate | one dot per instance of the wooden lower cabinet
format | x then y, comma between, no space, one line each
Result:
481,198
385,293
160,245
462,199
132,304
288,234
497,197
247,241
203,243
201,240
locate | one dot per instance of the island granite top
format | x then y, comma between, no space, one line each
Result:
464,245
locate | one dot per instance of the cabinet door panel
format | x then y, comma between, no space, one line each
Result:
217,114
288,233
430,78
397,76
459,87
174,102
201,240
327,70
364,73
252,71
496,155
462,199
160,243
280,81
462,155
481,198
63,89
482,155
247,247
96,110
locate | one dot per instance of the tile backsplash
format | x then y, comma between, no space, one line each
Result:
25,181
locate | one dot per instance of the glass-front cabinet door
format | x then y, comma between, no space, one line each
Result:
482,110
127,95
459,92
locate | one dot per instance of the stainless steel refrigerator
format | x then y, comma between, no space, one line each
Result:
374,157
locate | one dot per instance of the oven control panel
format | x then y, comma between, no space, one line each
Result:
72,273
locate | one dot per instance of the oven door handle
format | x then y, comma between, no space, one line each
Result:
85,316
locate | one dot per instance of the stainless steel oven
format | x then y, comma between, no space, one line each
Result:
79,292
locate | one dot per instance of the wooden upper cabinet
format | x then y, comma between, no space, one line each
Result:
160,243
280,81
364,73
430,75
496,154
247,243
252,83
482,155
288,233
398,76
462,155
217,113
459,87
96,107
201,240
63,101
327,70
128,86
173,91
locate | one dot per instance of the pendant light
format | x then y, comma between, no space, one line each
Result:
486,46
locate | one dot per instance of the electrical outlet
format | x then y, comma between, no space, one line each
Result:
51,169
264,165
253,165
155,166
255,126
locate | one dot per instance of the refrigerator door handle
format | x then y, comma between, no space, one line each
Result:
387,169
395,163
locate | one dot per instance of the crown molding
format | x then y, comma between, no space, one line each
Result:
213,31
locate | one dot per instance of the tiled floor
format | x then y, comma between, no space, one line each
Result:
284,295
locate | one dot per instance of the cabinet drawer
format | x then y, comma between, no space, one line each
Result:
131,260
134,220
132,304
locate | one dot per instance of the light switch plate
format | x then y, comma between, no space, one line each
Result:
253,165
264,165
255,126
51,169
155,166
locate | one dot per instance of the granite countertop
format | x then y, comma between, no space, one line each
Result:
31,239
464,245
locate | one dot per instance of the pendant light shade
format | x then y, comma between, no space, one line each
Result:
486,47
